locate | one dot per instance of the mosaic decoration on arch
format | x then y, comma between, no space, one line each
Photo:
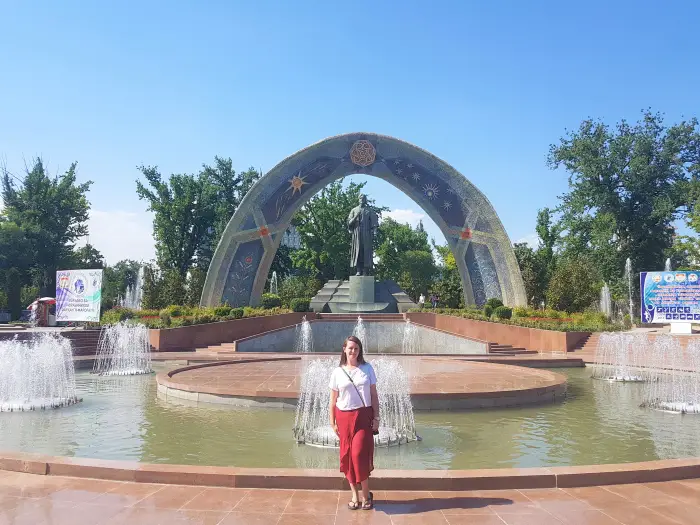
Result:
458,208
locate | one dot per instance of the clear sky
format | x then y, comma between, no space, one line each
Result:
486,86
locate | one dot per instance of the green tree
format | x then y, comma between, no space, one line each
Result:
116,279
448,283
394,240
323,230
532,272
191,211
627,186
575,284
184,210
417,272
52,212
87,257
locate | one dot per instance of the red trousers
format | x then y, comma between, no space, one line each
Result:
356,443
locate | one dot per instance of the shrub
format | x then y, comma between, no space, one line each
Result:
236,313
222,311
503,312
175,310
165,317
271,300
204,318
488,310
116,315
299,304
522,311
494,302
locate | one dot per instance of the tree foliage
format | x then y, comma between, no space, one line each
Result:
448,283
575,284
191,211
417,272
323,230
628,184
394,241
52,213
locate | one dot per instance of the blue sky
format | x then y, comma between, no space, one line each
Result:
486,86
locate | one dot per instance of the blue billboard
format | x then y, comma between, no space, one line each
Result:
670,297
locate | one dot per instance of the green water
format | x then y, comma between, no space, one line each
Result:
122,418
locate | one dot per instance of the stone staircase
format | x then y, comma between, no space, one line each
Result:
589,344
365,317
500,349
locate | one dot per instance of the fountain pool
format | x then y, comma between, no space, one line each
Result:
123,418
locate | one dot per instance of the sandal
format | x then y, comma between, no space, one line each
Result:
369,504
354,505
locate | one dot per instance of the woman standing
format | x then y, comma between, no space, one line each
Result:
354,415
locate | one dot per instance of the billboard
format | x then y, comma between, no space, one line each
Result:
78,295
670,297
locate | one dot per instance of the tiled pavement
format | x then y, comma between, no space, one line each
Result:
28,499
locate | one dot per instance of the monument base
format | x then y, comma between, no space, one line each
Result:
361,294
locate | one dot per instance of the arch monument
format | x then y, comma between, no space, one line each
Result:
482,249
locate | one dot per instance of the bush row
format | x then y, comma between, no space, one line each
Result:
532,318
175,316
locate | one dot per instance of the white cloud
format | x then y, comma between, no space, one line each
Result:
532,240
405,216
122,235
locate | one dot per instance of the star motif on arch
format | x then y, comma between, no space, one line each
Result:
451,190
409,166
296,183
397,162
431,191
447,205
399,171
416,177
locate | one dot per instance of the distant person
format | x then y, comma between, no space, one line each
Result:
433,300
421,301
354,416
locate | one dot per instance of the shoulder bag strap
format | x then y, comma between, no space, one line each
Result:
353,384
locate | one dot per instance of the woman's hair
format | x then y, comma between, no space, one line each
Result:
344,357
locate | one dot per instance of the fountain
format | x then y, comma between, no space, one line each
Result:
273,282
606,301
619,357
304,341
37,373
361,333
411,343
311,423
134,293
667,265
675,376
124,350
628,276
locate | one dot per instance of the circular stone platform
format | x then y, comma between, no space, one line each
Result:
436,383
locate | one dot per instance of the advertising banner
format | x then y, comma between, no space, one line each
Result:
78,295
670,297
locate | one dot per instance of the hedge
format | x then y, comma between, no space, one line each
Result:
564,322
186,316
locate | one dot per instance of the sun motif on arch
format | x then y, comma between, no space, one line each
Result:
362,153
431,191
296,183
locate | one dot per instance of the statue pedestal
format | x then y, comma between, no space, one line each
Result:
361,289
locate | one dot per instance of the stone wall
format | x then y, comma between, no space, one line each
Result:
203,335
382,337
517,336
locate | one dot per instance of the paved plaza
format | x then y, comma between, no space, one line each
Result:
27,499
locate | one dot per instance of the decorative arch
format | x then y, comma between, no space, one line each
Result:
480,244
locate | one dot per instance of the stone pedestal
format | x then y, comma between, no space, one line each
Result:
361,289
681,328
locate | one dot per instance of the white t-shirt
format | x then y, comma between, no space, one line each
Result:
363,376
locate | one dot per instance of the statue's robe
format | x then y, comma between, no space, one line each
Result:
362,222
